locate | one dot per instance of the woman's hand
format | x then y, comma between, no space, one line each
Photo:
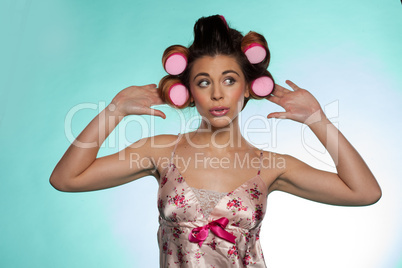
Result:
137,100
299,104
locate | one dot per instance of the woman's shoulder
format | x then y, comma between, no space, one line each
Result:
268,153
154,146
273,160
265,152
162,144
164,139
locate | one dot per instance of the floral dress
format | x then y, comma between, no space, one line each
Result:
226,237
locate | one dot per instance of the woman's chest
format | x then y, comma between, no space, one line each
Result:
244,206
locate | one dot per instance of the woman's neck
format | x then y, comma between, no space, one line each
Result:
223,139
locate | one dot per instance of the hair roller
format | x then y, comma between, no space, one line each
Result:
262,86
173,92
224,21
255,47
174,59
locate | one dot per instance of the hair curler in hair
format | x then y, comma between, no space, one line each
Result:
255,47
178,94
262,86
255,53
224,21
173,92
174,59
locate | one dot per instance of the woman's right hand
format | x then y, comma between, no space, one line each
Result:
137,100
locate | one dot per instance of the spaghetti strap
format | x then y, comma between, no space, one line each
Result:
175,146
259,169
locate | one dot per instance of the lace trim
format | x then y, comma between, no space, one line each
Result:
208,199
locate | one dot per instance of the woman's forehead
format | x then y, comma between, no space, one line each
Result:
215,65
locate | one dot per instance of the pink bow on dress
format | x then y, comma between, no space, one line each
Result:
199,234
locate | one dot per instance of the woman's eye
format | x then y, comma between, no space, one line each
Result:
203,83
229,81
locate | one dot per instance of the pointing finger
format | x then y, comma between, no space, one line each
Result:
279,115
150,86
273,99
154,112
292,85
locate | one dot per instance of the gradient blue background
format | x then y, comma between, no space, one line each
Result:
56,55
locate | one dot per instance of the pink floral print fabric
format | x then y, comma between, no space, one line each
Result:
180,212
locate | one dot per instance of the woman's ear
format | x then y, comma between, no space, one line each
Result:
247,92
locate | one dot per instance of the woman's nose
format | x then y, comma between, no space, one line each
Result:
216,93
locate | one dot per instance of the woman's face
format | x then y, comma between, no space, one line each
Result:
218,88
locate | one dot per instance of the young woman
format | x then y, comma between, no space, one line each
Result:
213,186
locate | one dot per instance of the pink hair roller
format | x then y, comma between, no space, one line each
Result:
224,20
262,86
255,53
176,63
178,94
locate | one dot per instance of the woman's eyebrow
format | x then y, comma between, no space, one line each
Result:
199,74
230,71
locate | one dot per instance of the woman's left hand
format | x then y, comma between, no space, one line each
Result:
299,104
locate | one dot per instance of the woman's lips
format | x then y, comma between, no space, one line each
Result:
219,111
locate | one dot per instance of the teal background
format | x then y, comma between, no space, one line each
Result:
57,54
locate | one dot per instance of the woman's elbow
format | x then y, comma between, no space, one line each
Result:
376,195
371,197
59,185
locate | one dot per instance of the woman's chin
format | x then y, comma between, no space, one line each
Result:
221,121
216,122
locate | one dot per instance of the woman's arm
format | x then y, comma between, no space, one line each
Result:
354,184
80,170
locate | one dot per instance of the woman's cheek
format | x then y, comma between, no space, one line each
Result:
200,101
239,96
